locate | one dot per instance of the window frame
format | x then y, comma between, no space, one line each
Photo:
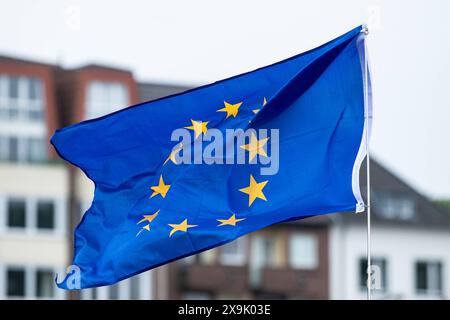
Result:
35,274
395,205
315,242
238,258
23,127
54,218
26,209
22,105
384,273
30,281
429,292
95,107
24,154
25,281
31,216
146,290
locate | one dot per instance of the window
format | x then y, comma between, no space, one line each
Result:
395,206
13,87
23,149
16,213
263,251
45,287
15,282
35,91
196,295
268,251
379,273
21,98
189,259
45,215
4,145
429,278
36,150
207,257
22,126
13,150
33,214
105,97
136,287
94,293
262,254
303,252
114,292
29,282
3,96
233,253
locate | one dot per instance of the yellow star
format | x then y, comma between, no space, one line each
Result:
174,152
161,188
148,217
255,146
146,227
198,127
230,109
254,190
255,111
180,227
231,221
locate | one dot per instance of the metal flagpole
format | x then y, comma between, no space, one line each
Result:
366,119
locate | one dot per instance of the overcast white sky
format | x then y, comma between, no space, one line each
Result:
196,42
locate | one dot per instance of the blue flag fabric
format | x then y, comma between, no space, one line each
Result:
149,210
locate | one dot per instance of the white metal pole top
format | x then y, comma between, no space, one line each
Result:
365,29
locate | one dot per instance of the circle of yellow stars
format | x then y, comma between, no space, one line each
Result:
255,189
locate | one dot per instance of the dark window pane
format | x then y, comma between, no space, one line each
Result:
36,150
13,87
3,148
15,282
35,89
378,262
114,292
134,288
44,284
421,276
439,277
13,149
4,113
13,110
16,213
429,277
35,114
46,215
363,272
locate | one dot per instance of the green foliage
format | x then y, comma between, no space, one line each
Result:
444,203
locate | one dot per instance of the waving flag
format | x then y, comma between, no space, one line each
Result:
299,123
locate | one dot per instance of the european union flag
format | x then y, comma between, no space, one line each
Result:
170,179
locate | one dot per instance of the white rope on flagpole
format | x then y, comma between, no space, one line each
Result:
366,119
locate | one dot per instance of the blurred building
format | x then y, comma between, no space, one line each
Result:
33,187
42,199
410,244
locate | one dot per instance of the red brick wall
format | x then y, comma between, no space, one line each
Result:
73,84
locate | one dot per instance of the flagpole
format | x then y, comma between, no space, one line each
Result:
366,119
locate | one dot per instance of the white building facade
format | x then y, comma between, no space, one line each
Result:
410,245
413,263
